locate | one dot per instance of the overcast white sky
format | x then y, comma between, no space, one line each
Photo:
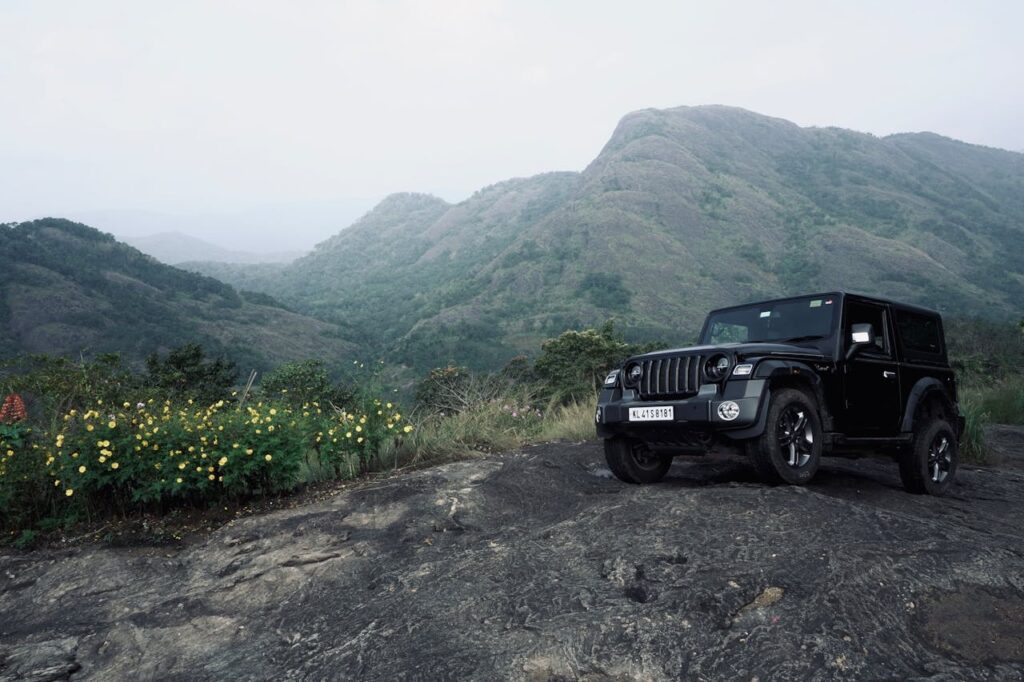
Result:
273,124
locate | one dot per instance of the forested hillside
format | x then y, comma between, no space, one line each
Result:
68,289
683,210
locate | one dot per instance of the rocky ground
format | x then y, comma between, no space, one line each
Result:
537,565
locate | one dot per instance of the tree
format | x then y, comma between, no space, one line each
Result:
574,365
298,382
186,373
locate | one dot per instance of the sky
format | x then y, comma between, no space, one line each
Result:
268,126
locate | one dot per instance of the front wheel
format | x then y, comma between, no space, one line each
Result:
929,466
789,450
633,462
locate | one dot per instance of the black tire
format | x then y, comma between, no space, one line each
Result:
789,450
633,462
929,465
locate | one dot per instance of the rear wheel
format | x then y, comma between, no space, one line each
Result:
789,450
930,464
633,462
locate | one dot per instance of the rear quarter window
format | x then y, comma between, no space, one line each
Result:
920,335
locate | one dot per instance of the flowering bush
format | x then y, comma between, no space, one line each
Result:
121,456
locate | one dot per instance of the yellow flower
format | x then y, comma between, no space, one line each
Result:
408,428
211,477
222,461
69,492
81,469
182,465
10,453
179,480
348,434
112,424
88,427
389,406
248,451
359,429
56,483
114,465
359,440
273,410
102,459
268,457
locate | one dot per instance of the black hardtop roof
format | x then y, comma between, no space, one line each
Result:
842,294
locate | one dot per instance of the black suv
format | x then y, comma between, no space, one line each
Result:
787,381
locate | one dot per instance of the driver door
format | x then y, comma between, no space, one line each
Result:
871,377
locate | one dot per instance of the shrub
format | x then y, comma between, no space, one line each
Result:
972,440
186,373
55,385
573,365
454,389
302,382
106,459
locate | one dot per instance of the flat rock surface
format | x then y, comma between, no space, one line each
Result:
538,565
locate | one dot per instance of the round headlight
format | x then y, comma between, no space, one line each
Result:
717,367
634,373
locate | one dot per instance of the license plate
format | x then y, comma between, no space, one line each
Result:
651,414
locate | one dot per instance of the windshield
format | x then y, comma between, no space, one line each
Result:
793,320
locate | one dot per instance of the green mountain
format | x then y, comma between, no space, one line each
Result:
683,210
67,289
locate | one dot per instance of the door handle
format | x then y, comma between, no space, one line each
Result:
888,375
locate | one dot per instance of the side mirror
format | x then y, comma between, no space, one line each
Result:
861,336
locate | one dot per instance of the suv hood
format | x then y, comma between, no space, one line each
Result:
741,350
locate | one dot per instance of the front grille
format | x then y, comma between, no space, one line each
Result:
676,377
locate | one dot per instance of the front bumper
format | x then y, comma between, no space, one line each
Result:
694,418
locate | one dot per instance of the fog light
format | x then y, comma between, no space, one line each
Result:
728,410
597,416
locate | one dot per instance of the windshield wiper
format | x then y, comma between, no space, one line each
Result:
808,337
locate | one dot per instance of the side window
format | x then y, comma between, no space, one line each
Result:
919,334
864,313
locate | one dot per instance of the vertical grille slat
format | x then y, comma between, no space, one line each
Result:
670,377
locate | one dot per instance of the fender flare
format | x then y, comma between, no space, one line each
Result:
922,390
770,370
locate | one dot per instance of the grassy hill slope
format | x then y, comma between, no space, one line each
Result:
67,289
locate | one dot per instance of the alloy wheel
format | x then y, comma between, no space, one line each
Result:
940,458
795,436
